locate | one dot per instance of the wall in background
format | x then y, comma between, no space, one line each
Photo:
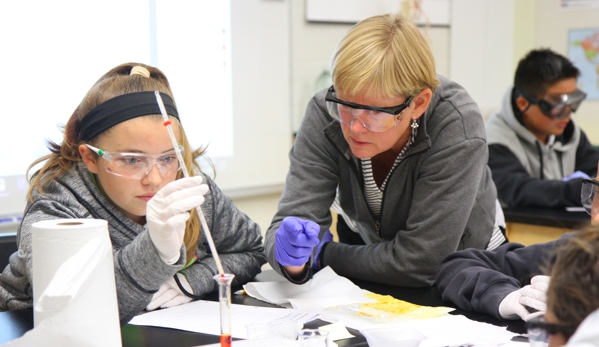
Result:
260,46
312,46
524,30
481,57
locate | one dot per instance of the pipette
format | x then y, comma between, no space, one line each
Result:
167,124
222,279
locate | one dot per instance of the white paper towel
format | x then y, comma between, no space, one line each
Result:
74,290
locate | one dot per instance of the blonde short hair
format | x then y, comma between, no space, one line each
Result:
384,55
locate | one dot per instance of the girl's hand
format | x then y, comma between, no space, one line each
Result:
167,212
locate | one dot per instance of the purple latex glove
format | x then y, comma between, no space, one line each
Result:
326,237
295,240
575,174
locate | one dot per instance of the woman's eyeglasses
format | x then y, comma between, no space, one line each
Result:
377,119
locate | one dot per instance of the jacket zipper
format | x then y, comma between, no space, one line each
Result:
540,157
377,227
377,223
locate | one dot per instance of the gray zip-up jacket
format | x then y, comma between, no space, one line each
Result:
439,199
139,271
527,172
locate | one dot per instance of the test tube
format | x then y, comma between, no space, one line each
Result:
224,300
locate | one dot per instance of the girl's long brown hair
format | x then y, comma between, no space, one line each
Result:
64,156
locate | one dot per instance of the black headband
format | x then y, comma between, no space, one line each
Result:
122,108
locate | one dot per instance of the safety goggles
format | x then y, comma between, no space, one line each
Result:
589,196
377,119
539,331
137,165
558,106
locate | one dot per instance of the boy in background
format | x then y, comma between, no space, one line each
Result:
538,156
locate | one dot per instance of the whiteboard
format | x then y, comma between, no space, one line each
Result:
352,11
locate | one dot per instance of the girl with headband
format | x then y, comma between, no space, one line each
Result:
117,162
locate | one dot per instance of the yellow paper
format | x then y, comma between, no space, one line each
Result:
385,308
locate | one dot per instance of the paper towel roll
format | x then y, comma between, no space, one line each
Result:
74,291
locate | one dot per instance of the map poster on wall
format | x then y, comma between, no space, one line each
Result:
583,51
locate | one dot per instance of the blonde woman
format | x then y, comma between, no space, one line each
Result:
399,153
117,162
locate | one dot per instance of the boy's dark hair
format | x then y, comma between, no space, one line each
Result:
540,69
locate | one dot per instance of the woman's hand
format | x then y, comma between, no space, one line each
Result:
295,241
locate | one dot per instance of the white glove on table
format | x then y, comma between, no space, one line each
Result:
170,295
533,296
167,213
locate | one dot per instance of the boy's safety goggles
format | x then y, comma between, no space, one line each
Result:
377,119
137,165
589,196
558,106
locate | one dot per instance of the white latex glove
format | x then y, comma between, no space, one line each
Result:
532,295
170,295
167,212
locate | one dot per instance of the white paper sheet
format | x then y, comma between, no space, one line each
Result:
337,331
448,330
203,317
324,290
271,342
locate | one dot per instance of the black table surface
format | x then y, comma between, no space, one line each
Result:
16,323
552,217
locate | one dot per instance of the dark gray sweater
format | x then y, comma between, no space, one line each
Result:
139,271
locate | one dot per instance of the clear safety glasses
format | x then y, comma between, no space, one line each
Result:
589,196
137,165
539,331
558,106
377,119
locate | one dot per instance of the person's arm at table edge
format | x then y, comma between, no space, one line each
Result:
479,280
517,188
